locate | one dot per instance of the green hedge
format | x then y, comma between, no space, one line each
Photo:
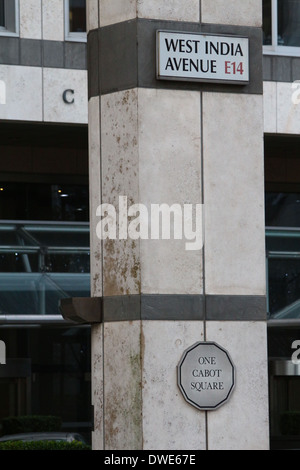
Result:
43,445
32,423
290,423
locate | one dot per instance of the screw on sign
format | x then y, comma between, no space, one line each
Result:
206,375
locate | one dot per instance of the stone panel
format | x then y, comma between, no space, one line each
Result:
242,423
95,195
120,179
31,19
175,424
235,12
56,81
234,194
23,93
170,173
53,20
122,386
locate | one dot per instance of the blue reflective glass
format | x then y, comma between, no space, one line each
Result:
41,264
283,272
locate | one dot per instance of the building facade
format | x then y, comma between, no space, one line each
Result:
44,210
93,137
281,128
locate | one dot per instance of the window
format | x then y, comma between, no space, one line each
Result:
75,20
8,17
281,27
2,17
282,220
48,372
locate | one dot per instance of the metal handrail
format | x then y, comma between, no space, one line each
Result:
40,278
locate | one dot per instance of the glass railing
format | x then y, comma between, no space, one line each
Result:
41,263
283,273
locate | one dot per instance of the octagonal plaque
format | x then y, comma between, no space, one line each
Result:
206,375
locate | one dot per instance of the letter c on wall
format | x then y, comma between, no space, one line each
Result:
66,97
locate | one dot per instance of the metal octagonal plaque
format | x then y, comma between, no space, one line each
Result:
206,375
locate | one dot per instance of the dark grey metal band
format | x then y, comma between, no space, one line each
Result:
123,56
42,53
172,307
281,68
164,308
153,307
185,307
236,307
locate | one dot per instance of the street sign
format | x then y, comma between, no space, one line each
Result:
202,57
206,375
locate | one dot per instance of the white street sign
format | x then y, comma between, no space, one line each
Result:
202,57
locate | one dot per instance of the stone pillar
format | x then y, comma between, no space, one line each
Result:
157,142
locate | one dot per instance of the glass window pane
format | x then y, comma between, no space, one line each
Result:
282,209
267,22
18,262
38,201
2,15
289,23
77,16
284,287
67,263
56,375
39,294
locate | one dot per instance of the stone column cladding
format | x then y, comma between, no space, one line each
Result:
176,142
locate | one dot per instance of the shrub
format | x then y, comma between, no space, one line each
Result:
20,424
43,445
